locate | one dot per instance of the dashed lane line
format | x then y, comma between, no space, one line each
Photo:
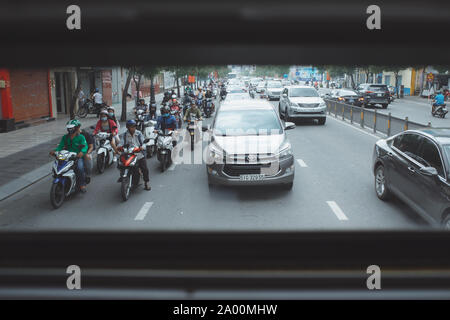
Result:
302,163
337,210
144,210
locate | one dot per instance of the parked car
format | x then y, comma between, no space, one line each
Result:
273,89
348,96
374,94
415,166
248,146
302,102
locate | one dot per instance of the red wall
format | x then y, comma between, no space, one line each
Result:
29,94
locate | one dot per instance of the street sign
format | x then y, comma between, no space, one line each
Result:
430,77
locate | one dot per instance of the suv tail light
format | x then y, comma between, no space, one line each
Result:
370,92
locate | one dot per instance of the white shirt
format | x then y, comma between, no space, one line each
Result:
98,98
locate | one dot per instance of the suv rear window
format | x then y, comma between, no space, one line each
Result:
378,87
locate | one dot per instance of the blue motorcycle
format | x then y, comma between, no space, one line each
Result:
64,182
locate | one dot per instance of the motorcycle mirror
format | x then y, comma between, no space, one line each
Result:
146,140
206,128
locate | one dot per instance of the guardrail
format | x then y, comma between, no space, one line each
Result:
379,122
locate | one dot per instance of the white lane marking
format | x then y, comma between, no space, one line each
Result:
143,212
302,163
337,211
352,126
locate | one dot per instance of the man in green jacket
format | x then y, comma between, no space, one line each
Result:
75,142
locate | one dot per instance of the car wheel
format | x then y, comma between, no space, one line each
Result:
384,106
446,222
381,186
322,121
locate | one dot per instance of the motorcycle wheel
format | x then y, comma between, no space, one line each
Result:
82,112
125,188
149,152
101,163
57,195
164,163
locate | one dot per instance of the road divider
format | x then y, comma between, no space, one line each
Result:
337,210
371,119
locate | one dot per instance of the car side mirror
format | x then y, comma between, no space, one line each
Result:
289,125
429,172
206,128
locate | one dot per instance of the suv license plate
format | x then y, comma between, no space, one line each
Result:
379,95
251,177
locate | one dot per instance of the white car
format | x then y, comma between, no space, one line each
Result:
273,89
260,87
302,102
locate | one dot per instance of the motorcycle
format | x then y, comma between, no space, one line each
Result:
208,107
439,111
152,136
164,147
140,119
153,111
64,177
105,152
223,95
175,110
129,171
88,107
192,127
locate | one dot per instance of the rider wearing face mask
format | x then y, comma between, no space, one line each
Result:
105,124
166,120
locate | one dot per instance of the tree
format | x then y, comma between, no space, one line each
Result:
396,70
130,74
73,101
150,72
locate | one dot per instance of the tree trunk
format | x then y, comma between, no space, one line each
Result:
123,117
138,87
353,81
396,85
367,77
75,95
152,91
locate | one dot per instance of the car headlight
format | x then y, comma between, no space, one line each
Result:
285,150
214,153
294,105
322,104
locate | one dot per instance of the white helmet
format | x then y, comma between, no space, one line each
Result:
174,96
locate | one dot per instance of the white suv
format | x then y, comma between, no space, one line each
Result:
302,102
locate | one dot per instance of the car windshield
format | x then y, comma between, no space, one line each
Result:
347,93
274,84
303,92
247,122
446,149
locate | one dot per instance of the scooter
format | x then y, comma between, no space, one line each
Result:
164,147
192,127
175,110
129,171
88,107
105,152
140,118
152,136
439,111
208,107
64,177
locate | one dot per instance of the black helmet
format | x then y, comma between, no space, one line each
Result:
164,110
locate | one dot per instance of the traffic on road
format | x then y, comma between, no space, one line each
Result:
242,153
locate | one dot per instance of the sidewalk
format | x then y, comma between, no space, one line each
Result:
24,157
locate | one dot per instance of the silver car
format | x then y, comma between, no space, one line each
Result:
302,102
248,146
273,89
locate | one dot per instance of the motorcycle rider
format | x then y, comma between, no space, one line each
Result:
107,125
209,94
438,101
193,110
166,120
135,138
187,101
144,107
112,116
88,157
75,142
166,97
98,101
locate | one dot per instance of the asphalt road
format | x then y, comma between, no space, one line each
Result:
333,190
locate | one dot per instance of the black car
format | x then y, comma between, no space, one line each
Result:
374,94
347,96
414,166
